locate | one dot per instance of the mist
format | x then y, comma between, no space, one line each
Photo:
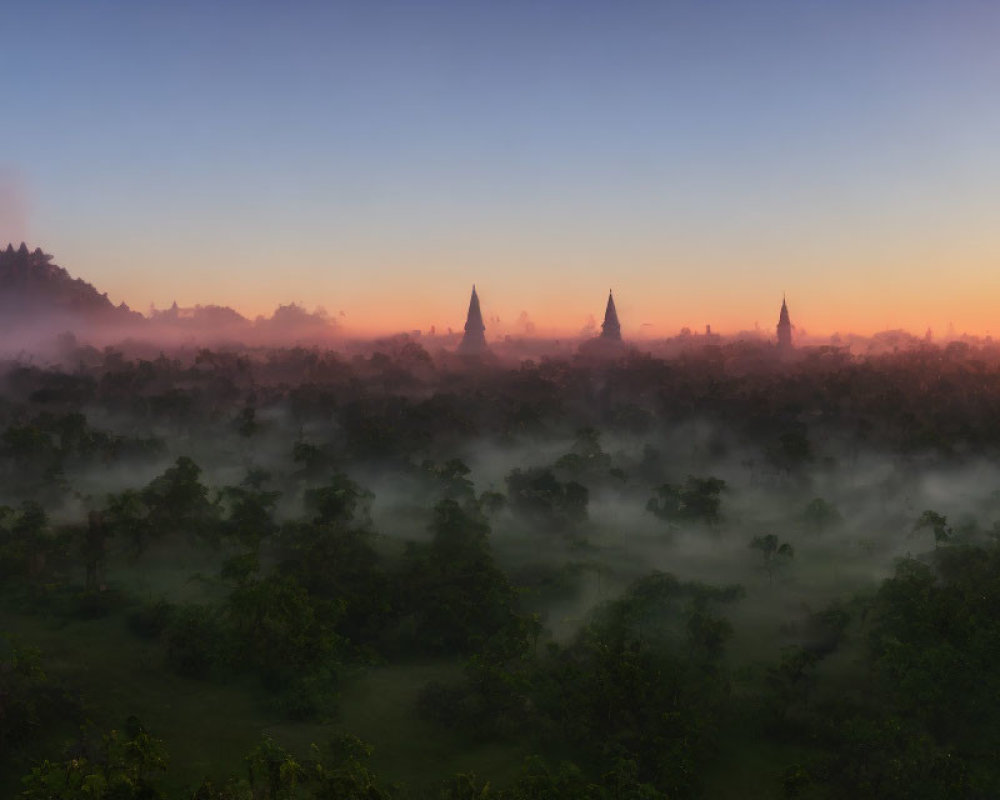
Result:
643,490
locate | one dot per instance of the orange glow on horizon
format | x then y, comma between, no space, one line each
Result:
656,295
385,321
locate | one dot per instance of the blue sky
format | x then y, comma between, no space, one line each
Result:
377,158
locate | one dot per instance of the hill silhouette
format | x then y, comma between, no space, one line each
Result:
34,290
39,299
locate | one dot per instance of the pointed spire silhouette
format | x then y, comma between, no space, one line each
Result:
474,340
784,326
611,328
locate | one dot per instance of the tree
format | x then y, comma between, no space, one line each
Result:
774,553
938,524
450,479
792,450
457,596
698,500
277,625
820,514
643,681
538,781
127,517
273,772
178,501
196,641
586,459
341,500
538,496
94,548
24,543
249,512
28,700
338,565
339,771
121,767
246,423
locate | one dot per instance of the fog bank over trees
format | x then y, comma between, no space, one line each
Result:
646,571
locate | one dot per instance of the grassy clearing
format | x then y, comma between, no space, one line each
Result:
752,768
380,708
209,727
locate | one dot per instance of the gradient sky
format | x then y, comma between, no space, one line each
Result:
378,158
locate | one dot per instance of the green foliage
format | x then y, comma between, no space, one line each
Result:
895,701
586,460
455,595
338,771
774,553
273,772
341,500
698,500
28,445
935,640
537,496
644,680
178,502
289,638
788,686
936,523
927,727
452,479
792,450
339,567
151,619
621,782
819,515
307,694
96,603
277,625
493,699
25,544
197,642
314,460
491,503
248,515
28,699
94,547
246,423
122,767
128,519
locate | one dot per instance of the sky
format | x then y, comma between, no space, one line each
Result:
378,158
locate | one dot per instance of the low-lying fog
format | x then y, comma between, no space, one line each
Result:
871,503
847,508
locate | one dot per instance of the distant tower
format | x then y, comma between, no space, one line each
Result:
784,327
610,328
474,340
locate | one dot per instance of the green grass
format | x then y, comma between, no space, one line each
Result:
751,767
208,727
380,708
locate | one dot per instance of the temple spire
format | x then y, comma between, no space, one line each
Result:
474,340
784,326
610,328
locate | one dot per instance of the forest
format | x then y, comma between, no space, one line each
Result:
251,573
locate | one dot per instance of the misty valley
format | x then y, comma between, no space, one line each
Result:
386,571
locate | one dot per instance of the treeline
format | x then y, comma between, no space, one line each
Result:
888,694
641,697
398,401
